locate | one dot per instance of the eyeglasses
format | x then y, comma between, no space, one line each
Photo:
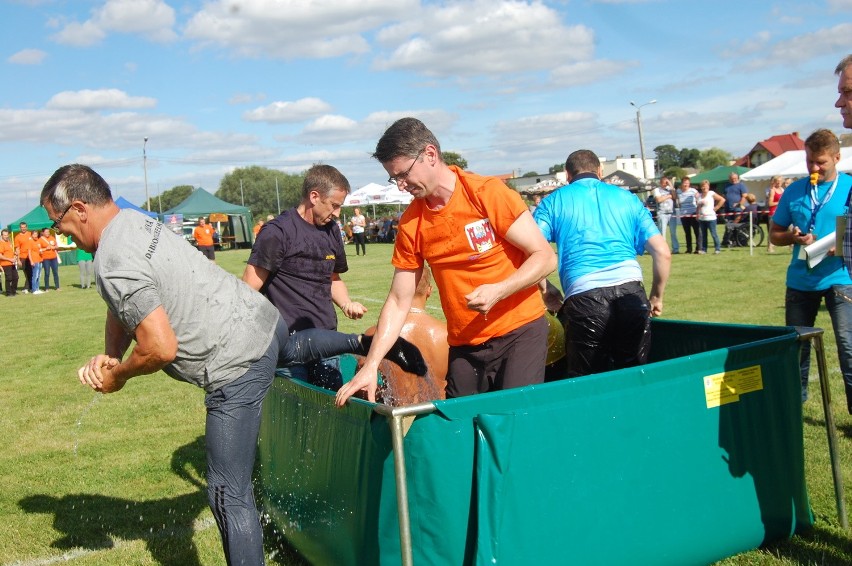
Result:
403,176
60,217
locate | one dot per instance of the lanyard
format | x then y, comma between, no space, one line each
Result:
815,205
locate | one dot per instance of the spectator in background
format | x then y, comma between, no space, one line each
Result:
359,231
203,236
23,241
48,248
257,226
87,270
751,212
708,203
776,189
536,200
35,261
688,199
665,197
9,263
735,200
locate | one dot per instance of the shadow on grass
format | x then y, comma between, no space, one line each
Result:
166,526
817,545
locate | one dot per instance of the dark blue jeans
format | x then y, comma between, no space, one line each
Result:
233,424
801,310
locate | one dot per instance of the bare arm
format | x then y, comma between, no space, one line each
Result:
391,320
255,276
540,262
720,201
340,296
781,236
156,347
661,258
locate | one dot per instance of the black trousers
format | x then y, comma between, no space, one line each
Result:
606,329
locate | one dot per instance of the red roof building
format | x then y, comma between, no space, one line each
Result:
770,148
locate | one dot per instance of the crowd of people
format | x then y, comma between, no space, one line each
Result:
488,252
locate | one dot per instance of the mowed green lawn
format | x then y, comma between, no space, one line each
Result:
118,479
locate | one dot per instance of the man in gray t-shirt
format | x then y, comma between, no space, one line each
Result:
199,324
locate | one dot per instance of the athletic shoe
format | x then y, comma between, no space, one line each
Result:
38,292
717,252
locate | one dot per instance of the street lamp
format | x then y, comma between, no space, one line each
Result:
145,169
641,141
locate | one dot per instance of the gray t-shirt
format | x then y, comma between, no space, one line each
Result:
221,324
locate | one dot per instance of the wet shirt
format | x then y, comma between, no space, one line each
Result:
222,325
301,258
599,229
464,243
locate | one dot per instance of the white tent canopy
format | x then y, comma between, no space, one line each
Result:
792,164
373,193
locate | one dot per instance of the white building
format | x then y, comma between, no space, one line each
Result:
632,165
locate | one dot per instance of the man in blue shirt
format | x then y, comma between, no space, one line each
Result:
805,213
599,229
735,194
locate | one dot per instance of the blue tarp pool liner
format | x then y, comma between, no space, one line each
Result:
696,456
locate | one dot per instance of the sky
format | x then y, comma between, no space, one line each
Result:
513,86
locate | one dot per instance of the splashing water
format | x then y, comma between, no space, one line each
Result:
402,388
83,414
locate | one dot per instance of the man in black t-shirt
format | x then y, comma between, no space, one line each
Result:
296,263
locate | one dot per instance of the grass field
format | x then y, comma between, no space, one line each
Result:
118,479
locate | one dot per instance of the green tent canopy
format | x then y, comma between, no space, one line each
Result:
717,175
36,219
201,203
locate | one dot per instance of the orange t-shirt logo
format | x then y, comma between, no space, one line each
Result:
480,235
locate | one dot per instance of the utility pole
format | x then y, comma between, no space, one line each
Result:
145,169
641,141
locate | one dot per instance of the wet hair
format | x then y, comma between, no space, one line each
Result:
845,62
75,182
405,138
582,161
822,141
324,179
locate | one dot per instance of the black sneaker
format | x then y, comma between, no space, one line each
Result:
403,353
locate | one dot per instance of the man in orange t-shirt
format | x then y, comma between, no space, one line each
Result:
23,240
203,235
48,246
487,256
35,261
8,263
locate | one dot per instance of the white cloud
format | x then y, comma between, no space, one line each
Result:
152,19
587,72
799,49
93,100
291,29
288,112
840,5
341,129
27,57
483,37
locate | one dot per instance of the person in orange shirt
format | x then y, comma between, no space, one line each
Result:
35,261
487,257
203,235
9,263
48,246
23,239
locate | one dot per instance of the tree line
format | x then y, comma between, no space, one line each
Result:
268,191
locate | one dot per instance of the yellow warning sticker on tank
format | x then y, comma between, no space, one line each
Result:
726,387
